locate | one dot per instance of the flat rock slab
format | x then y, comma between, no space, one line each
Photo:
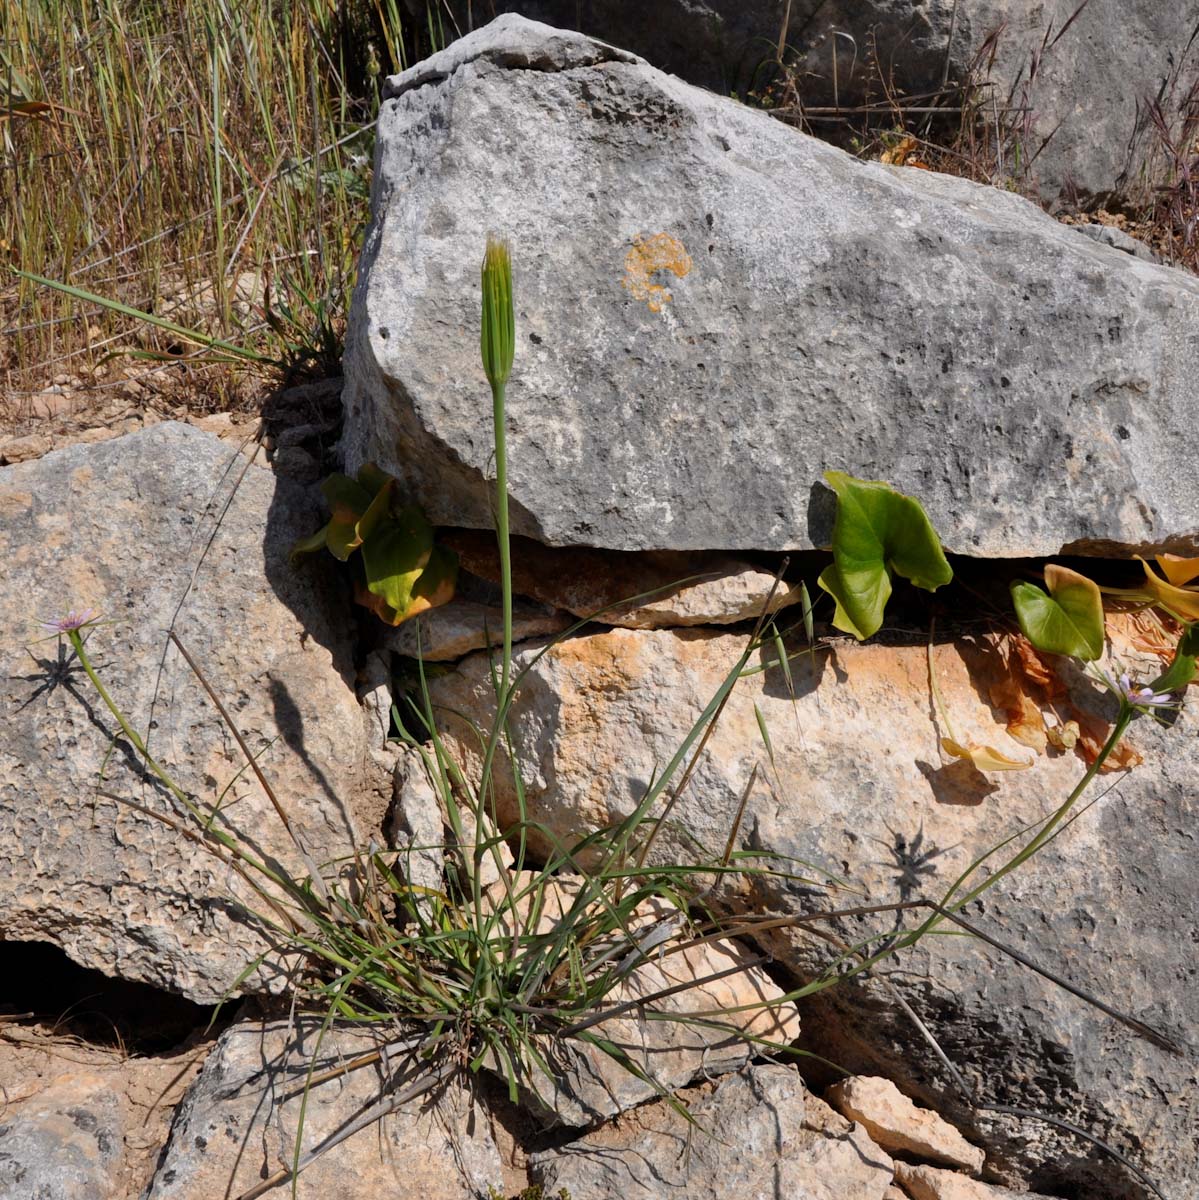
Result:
751,1142
160,529
858,785
933,1183
713,309
633,590
454,629
900,1126
238,1123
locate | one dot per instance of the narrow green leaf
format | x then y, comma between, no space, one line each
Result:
1183,666
805,601
191,335
781,651
1066,620
765,733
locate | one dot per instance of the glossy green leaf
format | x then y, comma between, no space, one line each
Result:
1066,620
310,545
348,500
878,533
373,478
395,554
436,583
1183,666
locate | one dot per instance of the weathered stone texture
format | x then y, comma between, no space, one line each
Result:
857,786
752,1143
748,307
159,530
238,1123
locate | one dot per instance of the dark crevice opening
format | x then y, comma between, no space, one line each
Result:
39,979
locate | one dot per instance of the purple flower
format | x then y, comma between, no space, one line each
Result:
1144,698
71,621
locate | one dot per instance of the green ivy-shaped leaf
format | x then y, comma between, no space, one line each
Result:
1066,620
349,501
395,554
878,532
311,544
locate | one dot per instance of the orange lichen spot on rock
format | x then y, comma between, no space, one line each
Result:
648,255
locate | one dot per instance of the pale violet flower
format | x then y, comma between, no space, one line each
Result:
71,621
1136,696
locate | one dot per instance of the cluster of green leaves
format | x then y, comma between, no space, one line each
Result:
1066,616
402,572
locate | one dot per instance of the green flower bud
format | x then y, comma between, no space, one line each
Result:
499,322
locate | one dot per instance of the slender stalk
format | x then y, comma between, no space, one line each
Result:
501,529
76,640
1022,855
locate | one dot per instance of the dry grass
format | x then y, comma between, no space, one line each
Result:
967,128
203,161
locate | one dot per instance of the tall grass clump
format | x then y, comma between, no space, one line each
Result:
207,163
515,947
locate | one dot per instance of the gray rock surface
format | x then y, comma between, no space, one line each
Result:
858,787
237,1125
748,308
66,1144
157,528
1118,240
753,1142
80,1121
1089,86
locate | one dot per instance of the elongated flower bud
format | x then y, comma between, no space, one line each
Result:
499,322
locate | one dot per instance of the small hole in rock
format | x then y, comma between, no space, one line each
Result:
90,1005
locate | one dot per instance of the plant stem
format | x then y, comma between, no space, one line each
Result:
1022,855
501,530
76,640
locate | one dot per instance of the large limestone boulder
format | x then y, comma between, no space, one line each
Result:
858,786
1088,87
166,528
748,307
